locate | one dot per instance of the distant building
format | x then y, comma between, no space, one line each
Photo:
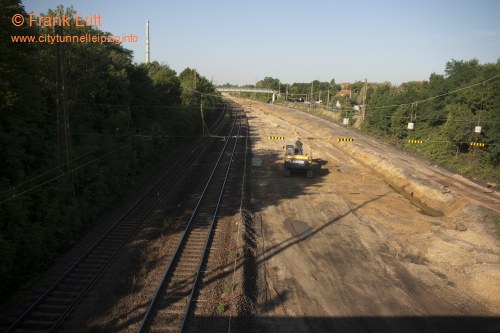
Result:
345,85
344,90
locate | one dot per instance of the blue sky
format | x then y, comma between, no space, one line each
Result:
300,41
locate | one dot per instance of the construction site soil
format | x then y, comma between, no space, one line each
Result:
377,241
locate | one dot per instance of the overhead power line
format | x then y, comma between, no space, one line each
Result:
437,96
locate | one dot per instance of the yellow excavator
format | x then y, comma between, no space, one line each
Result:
295,160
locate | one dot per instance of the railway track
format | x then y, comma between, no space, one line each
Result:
48,311
171,304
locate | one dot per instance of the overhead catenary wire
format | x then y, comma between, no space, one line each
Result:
437,96
218,96
415,103
437,119
429,98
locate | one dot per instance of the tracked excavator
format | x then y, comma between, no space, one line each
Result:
296,160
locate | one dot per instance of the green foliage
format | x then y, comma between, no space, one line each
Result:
458,125
221,308
165,81
123,119
268,83
448,109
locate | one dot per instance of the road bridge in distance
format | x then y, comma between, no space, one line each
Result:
251,90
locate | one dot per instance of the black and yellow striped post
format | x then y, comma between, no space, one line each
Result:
344,140
273,137
477,144
416,141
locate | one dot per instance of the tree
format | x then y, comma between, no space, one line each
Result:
269,83
166,83
122,117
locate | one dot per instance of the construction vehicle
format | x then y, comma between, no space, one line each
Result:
296,160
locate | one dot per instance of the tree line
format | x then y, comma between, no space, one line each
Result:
122,119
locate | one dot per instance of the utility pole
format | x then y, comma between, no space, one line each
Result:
311,99
203,124
147,41
63,134
362,99
202,117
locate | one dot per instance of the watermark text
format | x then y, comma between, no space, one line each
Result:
87,38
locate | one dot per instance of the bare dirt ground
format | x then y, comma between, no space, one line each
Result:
378,240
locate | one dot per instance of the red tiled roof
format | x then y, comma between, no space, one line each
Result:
343,92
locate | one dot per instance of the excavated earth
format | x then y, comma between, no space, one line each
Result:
377,241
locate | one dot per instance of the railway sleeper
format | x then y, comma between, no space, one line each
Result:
20,330
65,295
190,259
111,242
98,256
52,308
125,226
186,268
178,288
91,264
172,308
86,272
204,215
133,219
120,234
57,301
171,327
67,287
45,316
174,296
192,249
183,276
203,224
37,325
192,252
198,235
198,229
105,249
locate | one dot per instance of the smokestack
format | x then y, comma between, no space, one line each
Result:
147,41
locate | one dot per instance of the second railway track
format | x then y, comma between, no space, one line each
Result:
171,305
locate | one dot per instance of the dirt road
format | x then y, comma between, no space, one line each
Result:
376,241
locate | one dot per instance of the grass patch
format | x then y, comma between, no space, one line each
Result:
165,224
221,308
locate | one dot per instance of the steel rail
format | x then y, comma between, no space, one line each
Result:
181,244
205,252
